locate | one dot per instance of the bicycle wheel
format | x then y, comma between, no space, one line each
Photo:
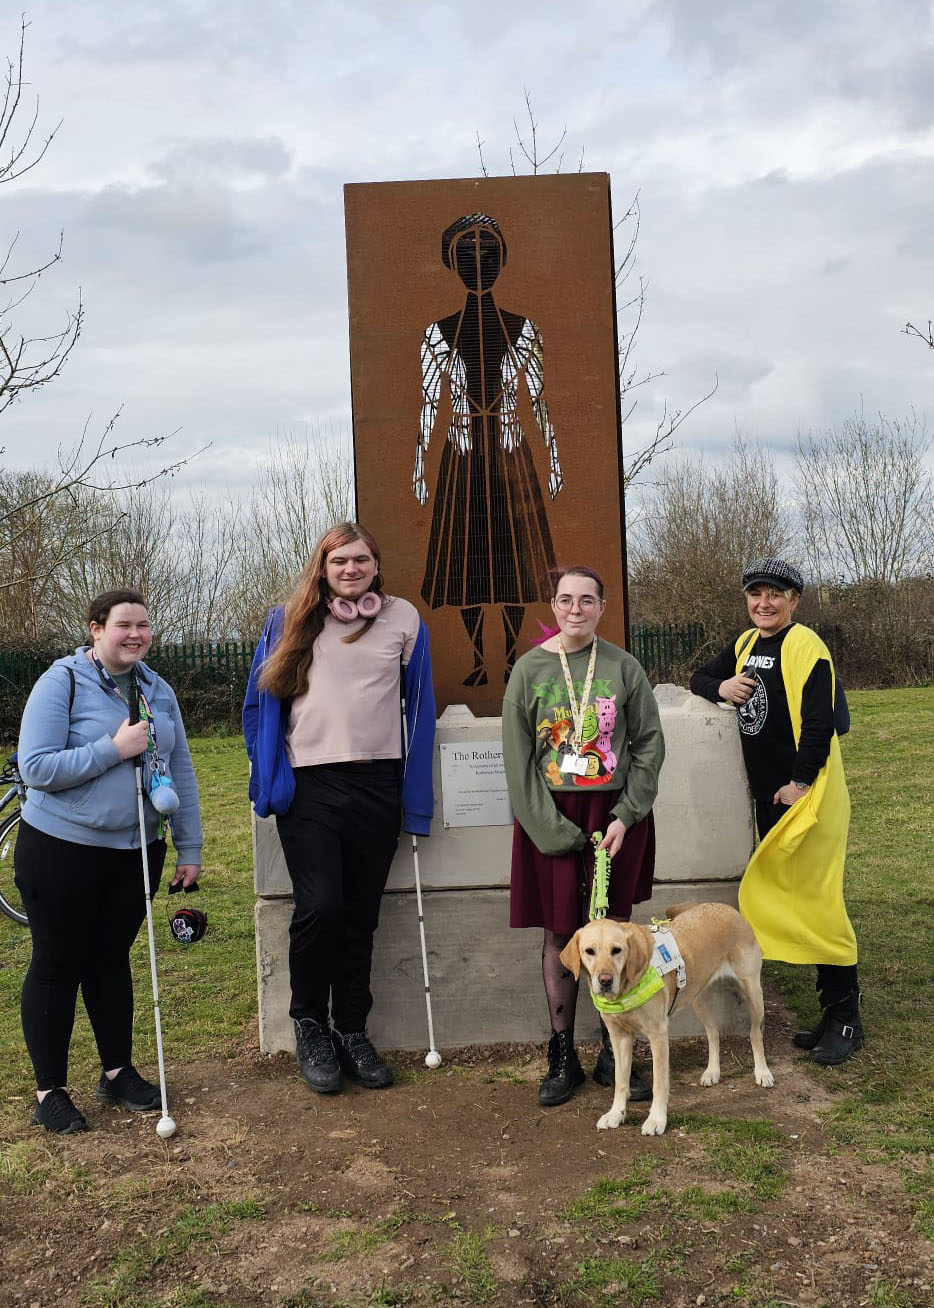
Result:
10,901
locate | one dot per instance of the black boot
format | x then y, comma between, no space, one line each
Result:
809,1036
605,1071
564,1073
842,1034
360,1061
314,1049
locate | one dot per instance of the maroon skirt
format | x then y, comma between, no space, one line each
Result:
553,891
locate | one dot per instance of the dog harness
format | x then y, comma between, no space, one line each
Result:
666,957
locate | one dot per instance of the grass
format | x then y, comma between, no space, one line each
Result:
134,1264
347,1244
885,1102
207,991
599,1279
471,1267
610,1202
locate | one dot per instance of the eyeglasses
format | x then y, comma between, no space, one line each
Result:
586,603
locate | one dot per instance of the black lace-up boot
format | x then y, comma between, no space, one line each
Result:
605,1071
314,1049
564,1073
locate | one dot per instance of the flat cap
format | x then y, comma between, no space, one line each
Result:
773,572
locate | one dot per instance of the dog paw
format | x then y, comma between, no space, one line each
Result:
609,1121
654,1125
709,1077
765,1078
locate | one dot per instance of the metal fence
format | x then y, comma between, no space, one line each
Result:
205,664
668,649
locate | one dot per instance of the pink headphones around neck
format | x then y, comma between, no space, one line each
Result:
345,610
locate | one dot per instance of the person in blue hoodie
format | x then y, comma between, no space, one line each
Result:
328,757
78,861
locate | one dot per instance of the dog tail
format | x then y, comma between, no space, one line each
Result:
674,909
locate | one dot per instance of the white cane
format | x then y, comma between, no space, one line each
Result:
165,1127
432,1058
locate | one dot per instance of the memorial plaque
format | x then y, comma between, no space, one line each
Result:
486,407
473,785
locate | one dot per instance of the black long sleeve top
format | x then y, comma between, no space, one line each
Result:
769,752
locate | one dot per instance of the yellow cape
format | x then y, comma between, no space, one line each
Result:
792,890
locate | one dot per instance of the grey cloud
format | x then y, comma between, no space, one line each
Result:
222,160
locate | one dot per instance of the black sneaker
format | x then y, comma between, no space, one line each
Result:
360,1061
57,1113
314,1049
129,1090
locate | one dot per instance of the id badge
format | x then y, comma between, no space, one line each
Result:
571,763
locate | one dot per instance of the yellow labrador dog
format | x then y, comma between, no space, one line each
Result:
715,942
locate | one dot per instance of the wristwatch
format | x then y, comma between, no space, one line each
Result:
801,785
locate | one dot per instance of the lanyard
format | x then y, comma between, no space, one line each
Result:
146,713
577,710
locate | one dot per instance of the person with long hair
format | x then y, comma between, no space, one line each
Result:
583,748
323,732
78,861
781,678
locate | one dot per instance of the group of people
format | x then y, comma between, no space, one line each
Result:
339,723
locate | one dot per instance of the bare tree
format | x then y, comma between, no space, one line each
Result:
631,291
928,337
26,362
866,499
699,526
304,486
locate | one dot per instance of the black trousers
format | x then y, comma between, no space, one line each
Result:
834,984
339,837
85,905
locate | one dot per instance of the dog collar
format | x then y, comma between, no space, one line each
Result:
648,985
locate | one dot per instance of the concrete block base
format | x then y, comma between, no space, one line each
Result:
486,981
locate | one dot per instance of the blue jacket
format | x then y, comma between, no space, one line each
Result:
266,720
80,789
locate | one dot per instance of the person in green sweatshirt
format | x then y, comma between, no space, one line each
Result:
583,748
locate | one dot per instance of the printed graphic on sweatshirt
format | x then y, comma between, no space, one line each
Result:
556,730
753,713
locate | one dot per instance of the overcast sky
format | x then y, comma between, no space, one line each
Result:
783,154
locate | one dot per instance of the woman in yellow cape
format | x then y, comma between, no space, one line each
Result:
781,678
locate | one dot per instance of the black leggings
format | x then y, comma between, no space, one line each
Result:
339,837
85,905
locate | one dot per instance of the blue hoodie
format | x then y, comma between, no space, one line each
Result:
79,788
266,720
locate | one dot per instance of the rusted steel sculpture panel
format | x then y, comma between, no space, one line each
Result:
486,406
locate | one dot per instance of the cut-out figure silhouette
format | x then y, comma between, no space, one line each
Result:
486,448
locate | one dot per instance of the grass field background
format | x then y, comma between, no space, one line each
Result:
885,1095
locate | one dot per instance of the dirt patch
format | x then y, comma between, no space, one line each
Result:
454,1184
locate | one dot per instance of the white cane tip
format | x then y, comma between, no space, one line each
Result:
433,1058
166,1128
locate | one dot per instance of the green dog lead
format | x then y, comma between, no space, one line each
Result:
600,890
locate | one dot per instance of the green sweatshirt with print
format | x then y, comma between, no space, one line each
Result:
621,740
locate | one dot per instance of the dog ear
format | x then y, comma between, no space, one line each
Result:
571,956
639,940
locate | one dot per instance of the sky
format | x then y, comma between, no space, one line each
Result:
783,156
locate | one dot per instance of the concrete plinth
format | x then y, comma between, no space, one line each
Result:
486,982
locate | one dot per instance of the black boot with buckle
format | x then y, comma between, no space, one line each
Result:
842,1032
604,1073
564,1073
